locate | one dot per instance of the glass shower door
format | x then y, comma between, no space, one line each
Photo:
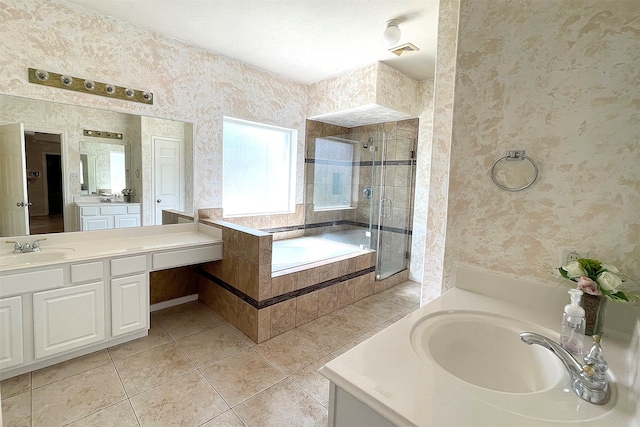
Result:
395,174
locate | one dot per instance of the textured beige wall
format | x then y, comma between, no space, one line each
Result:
189,83
560,80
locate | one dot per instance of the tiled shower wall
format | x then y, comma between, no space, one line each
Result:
399,183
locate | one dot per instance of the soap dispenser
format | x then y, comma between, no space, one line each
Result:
573,324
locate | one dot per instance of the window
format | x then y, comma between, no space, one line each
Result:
258,168
332,174
118,171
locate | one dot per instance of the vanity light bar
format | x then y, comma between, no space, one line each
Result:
61,81
101,134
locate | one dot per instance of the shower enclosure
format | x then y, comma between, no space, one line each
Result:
360,186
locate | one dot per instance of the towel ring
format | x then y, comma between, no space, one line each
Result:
510,156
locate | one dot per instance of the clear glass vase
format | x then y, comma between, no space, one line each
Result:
595,310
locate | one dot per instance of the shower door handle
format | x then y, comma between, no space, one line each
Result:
382,205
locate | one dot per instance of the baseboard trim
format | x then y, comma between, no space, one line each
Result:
173,302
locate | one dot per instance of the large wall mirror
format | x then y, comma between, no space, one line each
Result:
49,165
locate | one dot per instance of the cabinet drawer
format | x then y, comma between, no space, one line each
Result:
113,210
90,211
187,257
88,271
32,281
129,265
133,209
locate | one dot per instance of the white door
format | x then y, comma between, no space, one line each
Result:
14,210
168,179
10,332
129,304
68,318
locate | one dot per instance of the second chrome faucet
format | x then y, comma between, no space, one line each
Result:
589,381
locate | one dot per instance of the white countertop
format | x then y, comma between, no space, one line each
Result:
385,373
106,243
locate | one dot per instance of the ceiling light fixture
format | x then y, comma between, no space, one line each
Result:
392,32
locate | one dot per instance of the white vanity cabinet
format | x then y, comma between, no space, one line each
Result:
68,318
104,216
73,315
129,295
11,344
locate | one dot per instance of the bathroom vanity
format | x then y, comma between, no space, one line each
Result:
105,216
80,294
459,361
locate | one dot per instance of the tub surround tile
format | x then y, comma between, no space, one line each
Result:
249,247
284,284
69,368
248,278
306,308
346,293
363,286
211,345
241,376
141,371
327,300
247,320
264,324
307,278
187,400
118,415
261,222
15,386
280,405
75,397
283,317
265,250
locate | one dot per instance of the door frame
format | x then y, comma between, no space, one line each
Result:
67,195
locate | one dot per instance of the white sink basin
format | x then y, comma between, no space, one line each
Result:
485,350
45,254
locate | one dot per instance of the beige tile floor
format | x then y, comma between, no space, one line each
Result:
195,369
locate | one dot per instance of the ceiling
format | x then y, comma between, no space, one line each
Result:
305,40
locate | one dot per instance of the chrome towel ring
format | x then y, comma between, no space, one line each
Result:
510,156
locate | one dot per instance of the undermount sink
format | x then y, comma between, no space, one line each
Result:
485,350
44,255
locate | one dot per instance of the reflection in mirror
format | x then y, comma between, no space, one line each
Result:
87,165
104,168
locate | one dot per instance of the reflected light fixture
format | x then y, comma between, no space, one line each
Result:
392,33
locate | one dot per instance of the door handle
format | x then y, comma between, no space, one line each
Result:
22,204
382,205
159,200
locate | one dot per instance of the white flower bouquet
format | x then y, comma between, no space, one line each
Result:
596,278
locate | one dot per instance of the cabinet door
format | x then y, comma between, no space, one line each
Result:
129,304
68,318
10,332
124,221
97,222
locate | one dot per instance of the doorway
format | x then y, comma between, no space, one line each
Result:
43,152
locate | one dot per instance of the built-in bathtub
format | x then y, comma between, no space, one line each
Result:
301,251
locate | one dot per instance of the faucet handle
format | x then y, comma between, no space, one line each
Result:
595,358
35,246
17,247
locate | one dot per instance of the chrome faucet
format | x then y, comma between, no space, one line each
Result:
589,382
19,248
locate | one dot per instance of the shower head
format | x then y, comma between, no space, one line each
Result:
366,144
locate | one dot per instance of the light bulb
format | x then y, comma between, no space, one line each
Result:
392,32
